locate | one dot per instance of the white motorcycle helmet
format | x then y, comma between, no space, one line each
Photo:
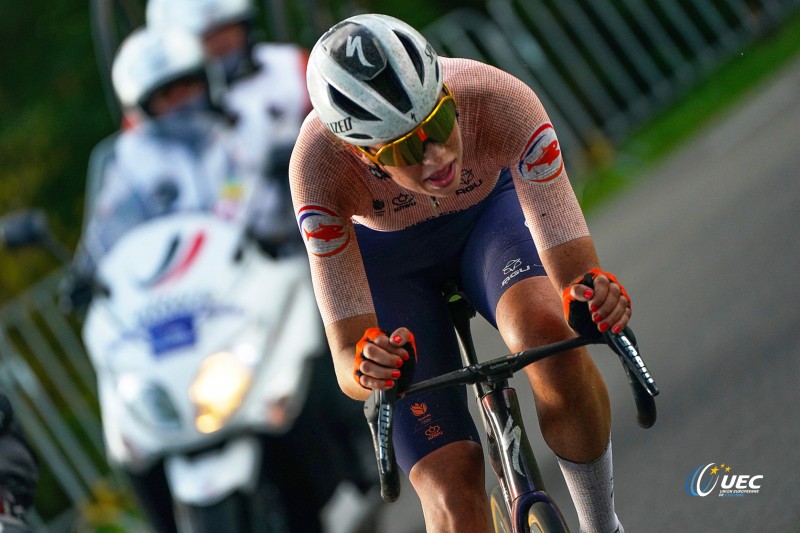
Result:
373,78
149,59
198,16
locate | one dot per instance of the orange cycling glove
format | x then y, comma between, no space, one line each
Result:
577,313
407,374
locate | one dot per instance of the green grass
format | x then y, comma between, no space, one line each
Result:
720,91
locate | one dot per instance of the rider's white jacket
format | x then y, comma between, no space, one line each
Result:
237,172
270,105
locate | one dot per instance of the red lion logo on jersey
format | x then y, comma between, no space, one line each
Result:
325,233
541,160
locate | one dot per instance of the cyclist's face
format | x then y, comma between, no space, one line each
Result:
438,173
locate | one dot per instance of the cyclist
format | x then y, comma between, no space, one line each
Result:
414,170
265,92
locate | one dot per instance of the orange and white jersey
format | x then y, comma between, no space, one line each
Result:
503,125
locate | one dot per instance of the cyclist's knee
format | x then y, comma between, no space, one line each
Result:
451,475
529,314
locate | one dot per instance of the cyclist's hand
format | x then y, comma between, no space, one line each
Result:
383,361
607,304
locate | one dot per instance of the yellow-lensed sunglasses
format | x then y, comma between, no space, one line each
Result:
410,148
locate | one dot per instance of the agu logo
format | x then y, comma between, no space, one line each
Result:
324,232
541,159
705,479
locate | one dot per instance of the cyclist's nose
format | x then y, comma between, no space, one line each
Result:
434,151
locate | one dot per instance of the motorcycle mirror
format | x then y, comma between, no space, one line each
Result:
29,228
23,228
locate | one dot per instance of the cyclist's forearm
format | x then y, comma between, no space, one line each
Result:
343,335
568,261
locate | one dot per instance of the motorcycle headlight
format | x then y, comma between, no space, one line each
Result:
218,389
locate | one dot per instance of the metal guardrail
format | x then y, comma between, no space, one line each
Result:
600,68
603,69
46,374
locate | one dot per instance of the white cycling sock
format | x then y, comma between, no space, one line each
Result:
591,486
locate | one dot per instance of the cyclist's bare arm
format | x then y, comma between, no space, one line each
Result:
570,260
384,357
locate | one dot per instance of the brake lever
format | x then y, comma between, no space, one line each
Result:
379,412
628,352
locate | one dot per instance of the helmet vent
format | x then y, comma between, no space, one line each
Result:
413,54
391,88
350,107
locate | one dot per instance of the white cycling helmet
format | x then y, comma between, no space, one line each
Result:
198,16
149,59
373,78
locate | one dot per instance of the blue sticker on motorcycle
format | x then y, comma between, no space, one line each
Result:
172,334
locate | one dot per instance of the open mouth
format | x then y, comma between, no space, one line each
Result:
442,177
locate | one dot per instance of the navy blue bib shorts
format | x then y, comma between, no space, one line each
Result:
486,249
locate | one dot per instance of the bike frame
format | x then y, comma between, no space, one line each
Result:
510,453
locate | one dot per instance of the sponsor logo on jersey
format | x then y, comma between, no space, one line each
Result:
379,207
468,181
541,160
403,201
324,232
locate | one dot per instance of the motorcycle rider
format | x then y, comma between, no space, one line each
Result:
169,94
265,93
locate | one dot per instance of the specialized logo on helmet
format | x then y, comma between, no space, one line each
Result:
541,159
355,48
325,233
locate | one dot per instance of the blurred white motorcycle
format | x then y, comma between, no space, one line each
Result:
217,393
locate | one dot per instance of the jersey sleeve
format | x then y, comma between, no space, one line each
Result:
530,150
324,188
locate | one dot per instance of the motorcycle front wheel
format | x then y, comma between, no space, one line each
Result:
262,511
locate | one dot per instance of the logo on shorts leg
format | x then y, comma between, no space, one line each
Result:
324,232
513,269
541,160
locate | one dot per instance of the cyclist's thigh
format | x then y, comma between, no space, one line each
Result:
404,296
500,251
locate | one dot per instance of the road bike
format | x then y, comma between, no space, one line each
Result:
520,502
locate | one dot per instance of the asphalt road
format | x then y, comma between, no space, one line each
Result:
708,247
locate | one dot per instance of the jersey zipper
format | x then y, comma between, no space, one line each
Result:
435,202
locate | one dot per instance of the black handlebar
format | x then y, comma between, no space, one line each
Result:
379,411
379,407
